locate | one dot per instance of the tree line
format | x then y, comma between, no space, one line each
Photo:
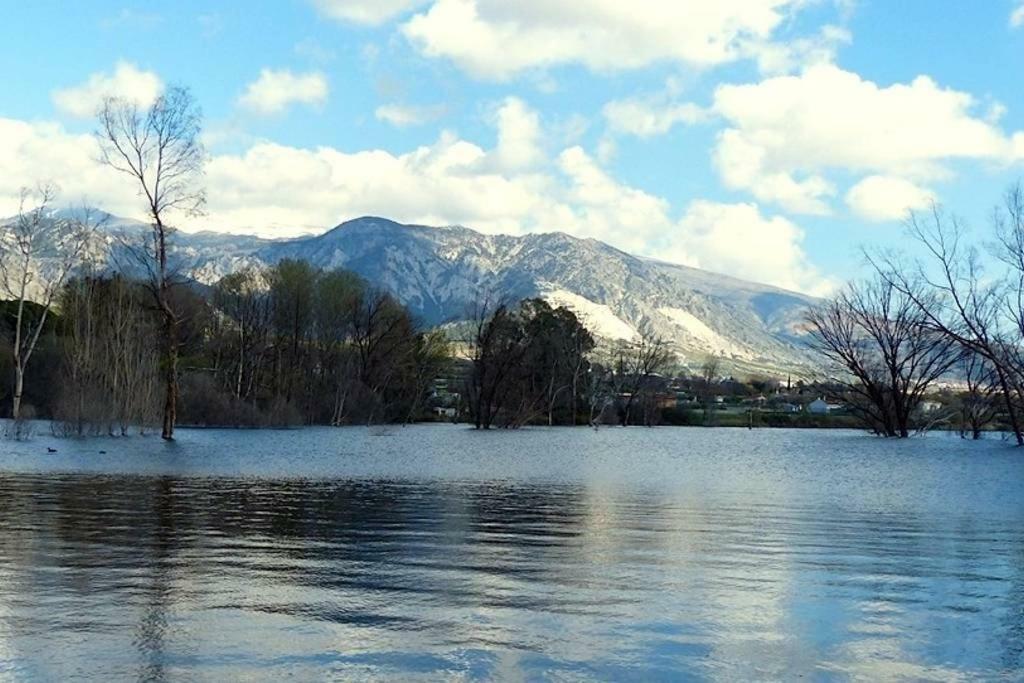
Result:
292,344
280,346
955,313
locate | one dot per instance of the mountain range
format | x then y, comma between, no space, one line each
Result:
439,272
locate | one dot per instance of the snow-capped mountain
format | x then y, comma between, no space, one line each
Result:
440,272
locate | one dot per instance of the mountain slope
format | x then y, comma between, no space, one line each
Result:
440,272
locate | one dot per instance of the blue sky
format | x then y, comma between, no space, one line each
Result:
768,139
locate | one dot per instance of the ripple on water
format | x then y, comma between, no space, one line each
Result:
440,552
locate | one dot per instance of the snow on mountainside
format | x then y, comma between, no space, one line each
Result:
440,272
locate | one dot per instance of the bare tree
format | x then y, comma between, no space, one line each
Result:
243,296
708,380
575,350
110,358
958,299
31,236
497,347
978,407
883,353
637,365
159,148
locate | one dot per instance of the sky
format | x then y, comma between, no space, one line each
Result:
771,140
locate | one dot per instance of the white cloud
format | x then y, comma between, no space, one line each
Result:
127,81
275,90
370,12
512,187
737,239
788,132
791,55
884,198
647,117
34,152
597,205
401,115
1017,16
496,39
741,164
519,135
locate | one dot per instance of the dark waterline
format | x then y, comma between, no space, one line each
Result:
436,552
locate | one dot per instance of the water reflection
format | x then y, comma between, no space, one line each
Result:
158,577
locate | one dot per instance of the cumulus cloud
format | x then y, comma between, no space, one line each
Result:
1017,16
126,81
786,133
738,239
495,39
276,89
595,204
884,198
370,12
34,152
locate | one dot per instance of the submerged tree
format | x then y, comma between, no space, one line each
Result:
978,403
883,353
243,298
958,298
159,148
707,382
638,368
38,252
524,359
110,375
497,346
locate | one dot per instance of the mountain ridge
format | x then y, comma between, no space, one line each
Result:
440,272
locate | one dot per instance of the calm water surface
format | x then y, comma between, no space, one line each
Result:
435,552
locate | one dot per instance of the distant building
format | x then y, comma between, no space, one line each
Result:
930,406
818,407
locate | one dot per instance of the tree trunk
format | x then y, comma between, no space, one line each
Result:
1011,409
19,386
170,379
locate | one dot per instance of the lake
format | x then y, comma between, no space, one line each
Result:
435,552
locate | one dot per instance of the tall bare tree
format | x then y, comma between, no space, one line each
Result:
35,235
159,148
